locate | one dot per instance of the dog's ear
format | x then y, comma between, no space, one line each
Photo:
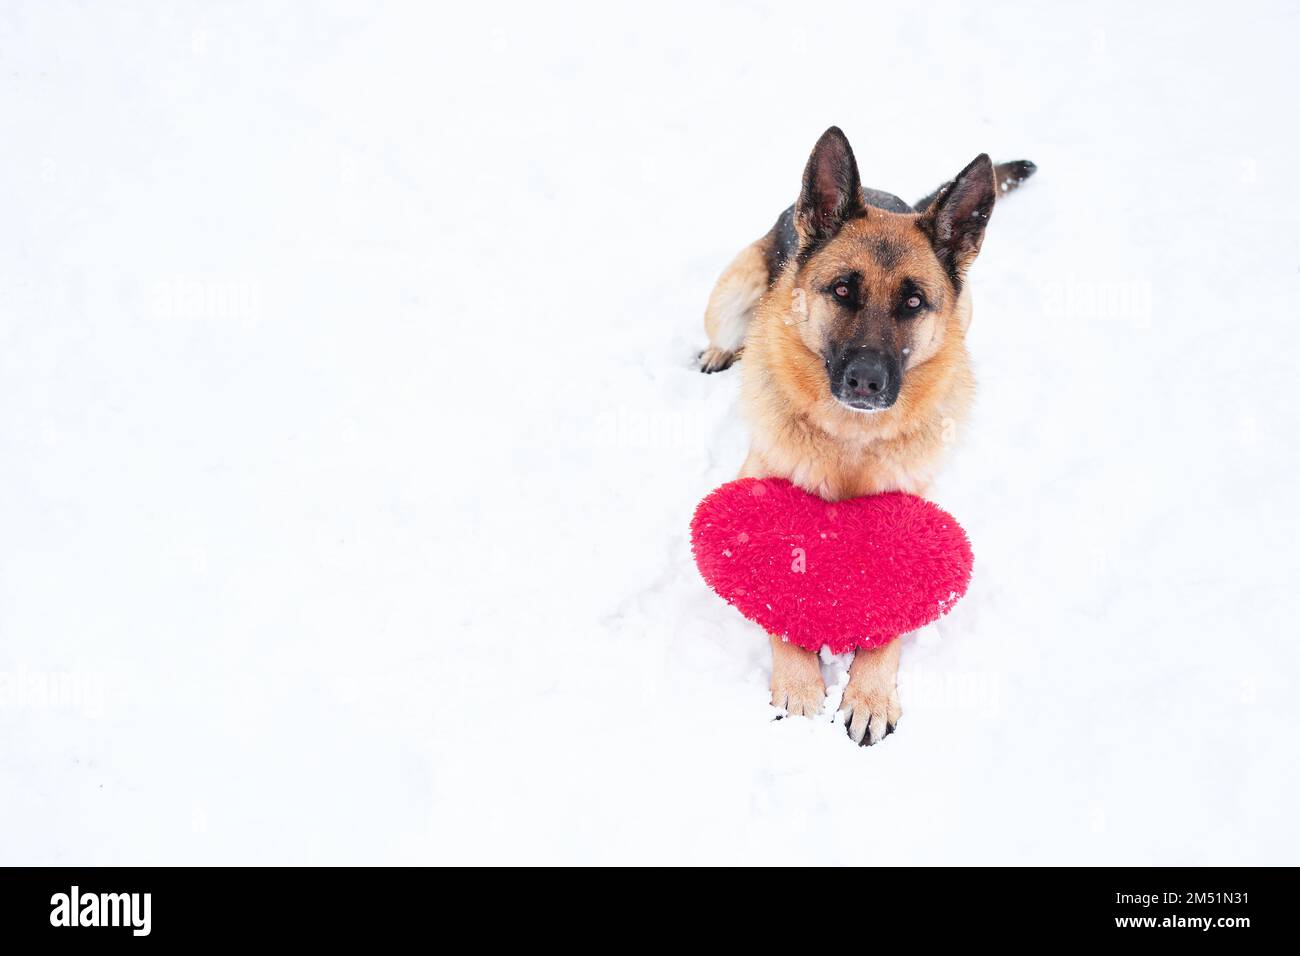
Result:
956,218
832,192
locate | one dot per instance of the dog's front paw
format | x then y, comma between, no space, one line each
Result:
716,360
870,715
798,698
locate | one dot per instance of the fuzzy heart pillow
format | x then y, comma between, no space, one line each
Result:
855,573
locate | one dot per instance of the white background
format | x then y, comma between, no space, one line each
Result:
349,434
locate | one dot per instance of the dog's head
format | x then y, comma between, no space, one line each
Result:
876,291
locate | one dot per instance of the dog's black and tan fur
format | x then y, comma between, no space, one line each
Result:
852,313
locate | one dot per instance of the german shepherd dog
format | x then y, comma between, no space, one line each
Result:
852,314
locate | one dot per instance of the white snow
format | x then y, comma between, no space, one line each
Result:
349,435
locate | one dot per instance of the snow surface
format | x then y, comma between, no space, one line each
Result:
349,434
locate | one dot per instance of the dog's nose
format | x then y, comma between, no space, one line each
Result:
864,378
866,375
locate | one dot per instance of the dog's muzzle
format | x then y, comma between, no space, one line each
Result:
865,379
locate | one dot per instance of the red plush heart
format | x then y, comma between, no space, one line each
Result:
855,573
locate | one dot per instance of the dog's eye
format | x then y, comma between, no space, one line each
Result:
914,302
842,291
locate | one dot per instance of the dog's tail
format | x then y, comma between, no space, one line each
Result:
1009,176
